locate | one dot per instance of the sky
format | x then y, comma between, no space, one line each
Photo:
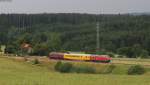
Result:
75,6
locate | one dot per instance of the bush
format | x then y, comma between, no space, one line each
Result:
36,61
120,56
144,54
58,65
84,69
109,69
111,55
68,67
136,70
63,67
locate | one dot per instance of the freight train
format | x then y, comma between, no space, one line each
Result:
80,57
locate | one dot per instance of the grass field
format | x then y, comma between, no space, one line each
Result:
14,72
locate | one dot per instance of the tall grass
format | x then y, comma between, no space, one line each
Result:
24,73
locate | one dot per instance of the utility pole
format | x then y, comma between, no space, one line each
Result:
98,38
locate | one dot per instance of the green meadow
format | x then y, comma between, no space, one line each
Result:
13,72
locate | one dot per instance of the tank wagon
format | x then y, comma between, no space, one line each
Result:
80,57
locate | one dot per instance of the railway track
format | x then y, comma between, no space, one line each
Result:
125,61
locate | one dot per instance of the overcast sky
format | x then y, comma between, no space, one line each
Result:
75,6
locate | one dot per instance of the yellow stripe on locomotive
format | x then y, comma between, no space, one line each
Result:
81,57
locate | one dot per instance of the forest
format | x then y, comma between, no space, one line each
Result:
123,34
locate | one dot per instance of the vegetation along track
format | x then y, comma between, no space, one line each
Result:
145,62
126,61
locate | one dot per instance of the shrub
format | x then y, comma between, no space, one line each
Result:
36,61
111,55
120,56
144,54
58,65
63,67
68,67
84,69
136,70
109,69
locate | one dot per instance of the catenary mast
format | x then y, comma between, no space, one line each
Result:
98,37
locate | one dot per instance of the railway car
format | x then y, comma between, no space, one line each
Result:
100,58
80,57
57,56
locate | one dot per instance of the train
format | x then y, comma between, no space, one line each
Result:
79,57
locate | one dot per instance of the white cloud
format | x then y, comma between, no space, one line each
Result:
81,6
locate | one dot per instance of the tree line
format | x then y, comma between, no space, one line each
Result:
120,34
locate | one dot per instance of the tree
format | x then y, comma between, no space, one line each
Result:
76,32
41,49
54,42
144,54
133,52
126,51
